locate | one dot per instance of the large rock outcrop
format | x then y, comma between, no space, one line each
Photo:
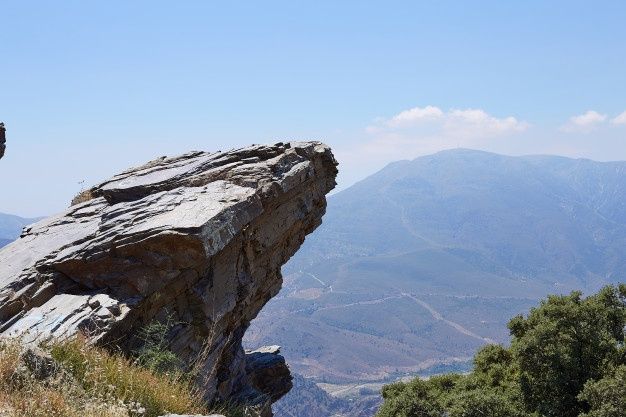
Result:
197,240
2,140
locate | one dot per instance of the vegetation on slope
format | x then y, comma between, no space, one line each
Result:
567,359
89,382
72,378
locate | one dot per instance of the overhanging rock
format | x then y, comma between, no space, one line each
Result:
197,240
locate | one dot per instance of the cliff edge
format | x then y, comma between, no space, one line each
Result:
197,240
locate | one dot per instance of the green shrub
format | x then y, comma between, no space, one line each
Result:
155,354
567,359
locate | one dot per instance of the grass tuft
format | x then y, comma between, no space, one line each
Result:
110,376
92,382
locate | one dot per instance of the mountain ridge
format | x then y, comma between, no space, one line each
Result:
11,227
474,237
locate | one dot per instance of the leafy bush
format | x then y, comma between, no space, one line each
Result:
567,358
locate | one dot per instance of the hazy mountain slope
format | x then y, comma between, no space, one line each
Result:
11,227
307,399
566,216
421,263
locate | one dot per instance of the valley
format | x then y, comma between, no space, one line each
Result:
417,266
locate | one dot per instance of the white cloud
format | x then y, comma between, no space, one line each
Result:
584,122
460,123
423,130
620,119
589,118
478,123
415,115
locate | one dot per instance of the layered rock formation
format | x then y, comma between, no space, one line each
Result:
2,140
197,240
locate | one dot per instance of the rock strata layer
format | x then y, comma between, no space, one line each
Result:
196,241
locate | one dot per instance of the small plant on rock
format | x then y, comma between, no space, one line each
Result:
155,353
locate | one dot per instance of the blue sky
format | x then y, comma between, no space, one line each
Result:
90,88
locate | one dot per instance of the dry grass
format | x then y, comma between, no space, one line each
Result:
92,382
81,197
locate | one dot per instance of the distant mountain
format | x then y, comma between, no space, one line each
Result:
418,265
11,227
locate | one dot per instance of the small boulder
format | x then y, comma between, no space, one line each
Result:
40,364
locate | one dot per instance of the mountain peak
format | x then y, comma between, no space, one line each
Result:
426,260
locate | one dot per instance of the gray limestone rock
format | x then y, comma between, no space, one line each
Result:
267,372
39,363
197,239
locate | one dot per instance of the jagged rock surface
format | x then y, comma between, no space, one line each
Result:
2,140
267,371
197,239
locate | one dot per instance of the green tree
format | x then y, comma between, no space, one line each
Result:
412,399
482,403
567,359
607,396
494,367
490,390
565,342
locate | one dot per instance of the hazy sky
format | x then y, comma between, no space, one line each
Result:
90,88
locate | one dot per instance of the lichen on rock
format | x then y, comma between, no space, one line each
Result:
199,239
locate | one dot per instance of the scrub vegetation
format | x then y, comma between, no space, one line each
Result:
567,359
